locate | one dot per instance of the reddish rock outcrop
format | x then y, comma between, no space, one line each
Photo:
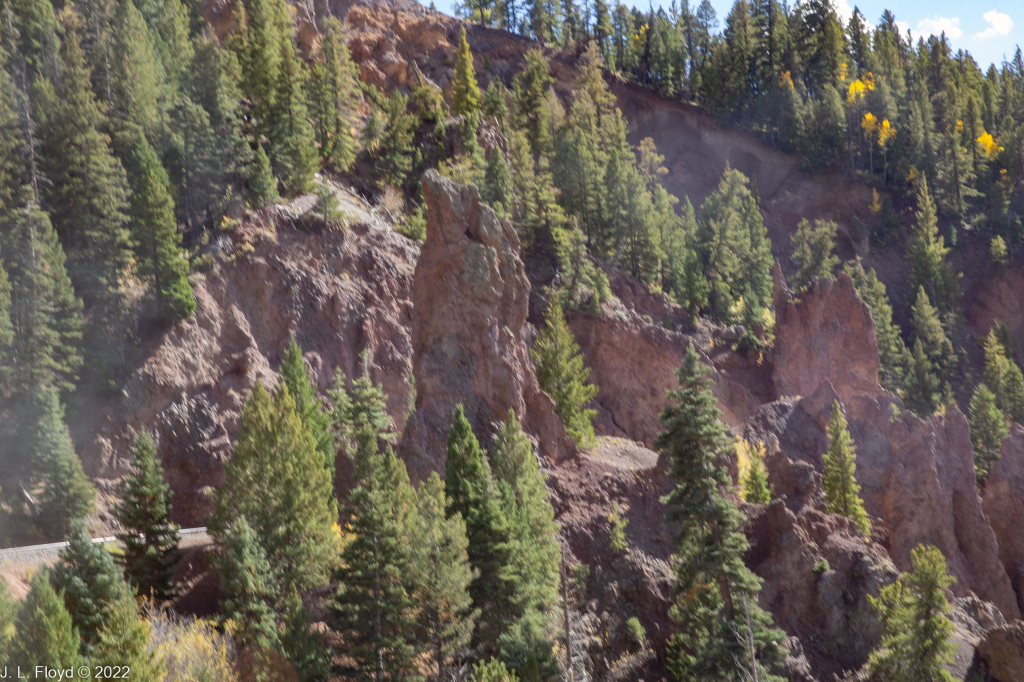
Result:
827,334
917,475
338,292
1002,649
1003,501
470,303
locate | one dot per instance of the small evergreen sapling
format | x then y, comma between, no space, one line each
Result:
43,632
150,538
262,183
839,478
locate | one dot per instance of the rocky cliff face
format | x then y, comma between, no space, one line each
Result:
1004,505
338,292
470,302
917,475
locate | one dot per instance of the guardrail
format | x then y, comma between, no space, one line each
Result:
39,552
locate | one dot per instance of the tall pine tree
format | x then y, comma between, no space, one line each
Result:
296,377
839,477
331,89
988,429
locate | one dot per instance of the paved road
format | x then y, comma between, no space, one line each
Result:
190,537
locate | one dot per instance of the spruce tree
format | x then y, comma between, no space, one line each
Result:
291,134
67,494
160,258
1004,377
922,385
150,538
442,574
753,477
916,628
497,189
124,641
262,183
91,583
839,475
927,254
466,92
134,83
893,355
330,90
711,582
198,157
929,331
473,495
8,615
276,479
43,631
529,94
34,24
564,376
812,251
302,646
365,405
248,583
988,429
374,607
87,197
295,376
536,555
262,26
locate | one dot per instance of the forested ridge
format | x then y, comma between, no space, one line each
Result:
131,137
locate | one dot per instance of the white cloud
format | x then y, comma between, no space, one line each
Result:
936,25
999,24
903,27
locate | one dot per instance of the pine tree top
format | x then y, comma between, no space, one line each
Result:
466,94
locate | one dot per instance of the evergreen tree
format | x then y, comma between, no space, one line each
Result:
330,98
365,405
197,157
914,611
293,142
529,95
711,581
929,331
472,494
134,82
536,555
1004,376
295,376
927,254
564,376
839,477
262,183
33,24
922,384
248,583
67,494
87,199
442,574
374,607
262,27
988,429
753,477
8,614
812,251
43,631
150,538
160,258
493,104
893,355
465,92
497,189
91,583
124,641
276,480
304,647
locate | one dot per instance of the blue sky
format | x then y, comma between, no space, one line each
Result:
988,29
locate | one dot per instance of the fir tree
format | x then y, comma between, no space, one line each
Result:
365,405
839,475
466,92
529,94
497,189
536,555
304,647
494,105
150,538
44,634
293,143
124,641
91,583
929,331
262,183
922,384
248,583
160,258
914,611
893,356
276,480
34,25
330,93
296,377
753,477
1004,377
711,581
134,82
812,251
473,495
988,429
374,607
87,199
262,26
197,156
442,574
927,254
563,375
67,494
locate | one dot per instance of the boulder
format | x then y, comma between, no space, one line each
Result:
470,303
1002,649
